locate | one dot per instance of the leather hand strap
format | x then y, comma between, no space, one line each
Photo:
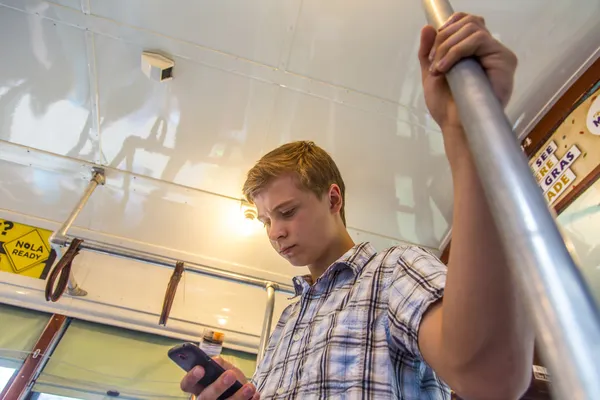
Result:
61,272
170,293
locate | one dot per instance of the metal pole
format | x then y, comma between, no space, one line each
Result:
567,321
266,328
155,259
97,179
59,239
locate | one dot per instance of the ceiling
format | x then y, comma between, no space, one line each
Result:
248,77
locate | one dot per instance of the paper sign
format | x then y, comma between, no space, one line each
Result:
25,250
545,169
554,192
548,151
565,162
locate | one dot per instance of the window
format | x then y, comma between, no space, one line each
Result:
20,331
580,222
5,375
44,396
93,359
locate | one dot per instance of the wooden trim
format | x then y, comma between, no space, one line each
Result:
23,378
560,110
578,190
552,120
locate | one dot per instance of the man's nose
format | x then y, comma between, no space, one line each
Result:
277,231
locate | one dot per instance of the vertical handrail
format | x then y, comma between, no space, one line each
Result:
266,328
566,318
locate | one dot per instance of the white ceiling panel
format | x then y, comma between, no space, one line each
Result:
203,129
255,30
249,77
365,46
372,47
186,223
554,41
143,214
390,166
76,4
42,193
44,85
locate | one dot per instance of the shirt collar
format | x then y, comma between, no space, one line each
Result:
354,259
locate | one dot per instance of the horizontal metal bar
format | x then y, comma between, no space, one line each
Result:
566,318
156,259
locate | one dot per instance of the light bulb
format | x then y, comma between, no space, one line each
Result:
247,226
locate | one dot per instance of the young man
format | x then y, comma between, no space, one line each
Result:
393,324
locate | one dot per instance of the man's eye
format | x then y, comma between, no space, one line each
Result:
288,213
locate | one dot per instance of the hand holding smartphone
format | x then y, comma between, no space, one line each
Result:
188,356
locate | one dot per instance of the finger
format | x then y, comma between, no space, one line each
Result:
247,392
428,34
457,37
478,43
256,396
189,383
452,19
451,27
218,387
457,16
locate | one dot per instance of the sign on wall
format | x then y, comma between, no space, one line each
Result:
25,250
572,152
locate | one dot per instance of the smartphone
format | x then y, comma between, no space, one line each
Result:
188,355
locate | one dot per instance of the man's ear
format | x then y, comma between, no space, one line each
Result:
335,198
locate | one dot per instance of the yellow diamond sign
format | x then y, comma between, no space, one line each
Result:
26,251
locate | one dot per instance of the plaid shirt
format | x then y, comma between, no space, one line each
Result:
353,334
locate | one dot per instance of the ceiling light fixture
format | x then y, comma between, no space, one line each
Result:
249,210
247,223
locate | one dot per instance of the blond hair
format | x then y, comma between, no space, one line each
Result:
315,169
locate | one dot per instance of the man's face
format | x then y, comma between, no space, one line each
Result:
300,226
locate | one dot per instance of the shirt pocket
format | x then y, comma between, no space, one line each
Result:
335,352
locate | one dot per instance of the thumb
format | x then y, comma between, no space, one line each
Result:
428,35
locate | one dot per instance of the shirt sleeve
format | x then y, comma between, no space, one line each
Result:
417,282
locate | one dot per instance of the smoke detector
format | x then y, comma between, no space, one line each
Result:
157,67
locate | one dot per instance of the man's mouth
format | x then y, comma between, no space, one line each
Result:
286,250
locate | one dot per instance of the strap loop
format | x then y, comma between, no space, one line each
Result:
61,272
170,293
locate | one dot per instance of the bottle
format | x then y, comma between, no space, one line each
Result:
212,342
